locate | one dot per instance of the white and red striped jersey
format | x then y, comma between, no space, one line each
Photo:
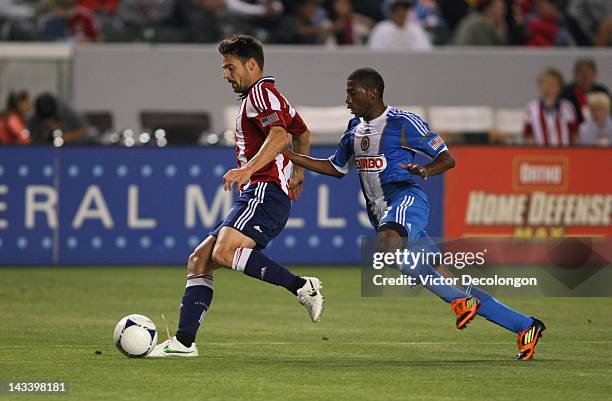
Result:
263,107
550,126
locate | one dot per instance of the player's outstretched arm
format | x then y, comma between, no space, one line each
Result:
301,145
321,166
444,161
274,144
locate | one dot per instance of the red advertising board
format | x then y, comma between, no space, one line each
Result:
529,192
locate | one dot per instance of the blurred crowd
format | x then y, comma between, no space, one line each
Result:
576,113
411,24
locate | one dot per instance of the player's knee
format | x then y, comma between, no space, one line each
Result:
223,255
196,264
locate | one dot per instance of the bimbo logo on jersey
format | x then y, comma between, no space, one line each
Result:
371,164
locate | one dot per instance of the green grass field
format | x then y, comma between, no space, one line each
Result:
258,343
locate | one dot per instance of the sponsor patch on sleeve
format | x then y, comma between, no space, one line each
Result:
436,143
270,119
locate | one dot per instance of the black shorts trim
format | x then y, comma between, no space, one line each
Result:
394,226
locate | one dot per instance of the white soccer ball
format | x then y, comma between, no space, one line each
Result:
135,336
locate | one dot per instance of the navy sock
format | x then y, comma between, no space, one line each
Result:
255,264
196,301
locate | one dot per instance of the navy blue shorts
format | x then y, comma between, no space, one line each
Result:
260,213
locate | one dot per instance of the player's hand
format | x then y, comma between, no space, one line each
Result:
286,151
296,183
415,169
239,176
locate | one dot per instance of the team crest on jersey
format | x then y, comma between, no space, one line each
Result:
365,143
371,164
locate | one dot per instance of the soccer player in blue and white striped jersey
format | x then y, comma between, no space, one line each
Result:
381,142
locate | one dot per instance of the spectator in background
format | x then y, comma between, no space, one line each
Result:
257,17
143,13
398,32
349,28
589,16
145,20
13,128
427,13
544,25
369,8
597,130
255,8
550,120
453,11
54,119
105,12
100,6
66,20
17,20
585,74
207,20
604,33
307,26
486,27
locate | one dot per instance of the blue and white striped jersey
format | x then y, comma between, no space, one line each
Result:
376,148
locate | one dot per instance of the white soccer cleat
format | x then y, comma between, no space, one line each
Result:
310,296
173,348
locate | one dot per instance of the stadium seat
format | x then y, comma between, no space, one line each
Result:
455,119
182,128
458,124
509,124
326,124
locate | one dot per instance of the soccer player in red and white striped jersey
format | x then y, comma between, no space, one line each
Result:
550,120
266,180
263,107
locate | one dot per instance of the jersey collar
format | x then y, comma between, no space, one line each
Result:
244,94
377,119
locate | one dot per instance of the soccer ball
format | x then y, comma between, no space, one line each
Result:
135,336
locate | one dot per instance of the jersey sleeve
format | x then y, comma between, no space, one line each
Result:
273,110
297,125
342,158
417,135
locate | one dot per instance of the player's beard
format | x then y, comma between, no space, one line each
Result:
237,87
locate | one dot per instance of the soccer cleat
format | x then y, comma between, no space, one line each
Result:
173,348
465,308
528,339
310,296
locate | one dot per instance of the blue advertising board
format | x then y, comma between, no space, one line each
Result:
153,206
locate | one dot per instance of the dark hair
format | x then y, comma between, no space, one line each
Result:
369,78
245,47
585,61
46,106
13,99
400,5
553,72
